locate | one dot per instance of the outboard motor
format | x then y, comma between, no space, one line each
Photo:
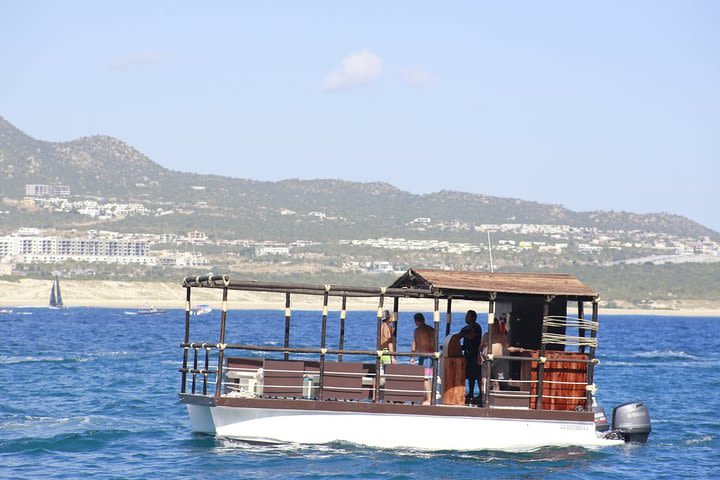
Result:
632,422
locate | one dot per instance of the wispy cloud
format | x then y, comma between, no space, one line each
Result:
147,57
358,68
418,77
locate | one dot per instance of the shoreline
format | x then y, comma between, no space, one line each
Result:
32,293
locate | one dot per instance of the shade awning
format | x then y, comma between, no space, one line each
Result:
483,284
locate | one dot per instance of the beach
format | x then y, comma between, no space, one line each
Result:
121,294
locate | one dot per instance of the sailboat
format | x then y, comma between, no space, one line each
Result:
56,302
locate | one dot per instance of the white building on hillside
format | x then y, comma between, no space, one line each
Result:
263,250
53,249
47,190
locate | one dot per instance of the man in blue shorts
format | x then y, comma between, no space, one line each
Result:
424,342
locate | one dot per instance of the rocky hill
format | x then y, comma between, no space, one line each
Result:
97,165
103,166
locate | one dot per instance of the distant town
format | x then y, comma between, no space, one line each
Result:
513,245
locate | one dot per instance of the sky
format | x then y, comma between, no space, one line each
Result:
598,105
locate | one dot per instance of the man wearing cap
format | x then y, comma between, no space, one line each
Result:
500,369
386,337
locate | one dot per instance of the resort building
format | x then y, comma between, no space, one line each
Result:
47,190
263,250
52,249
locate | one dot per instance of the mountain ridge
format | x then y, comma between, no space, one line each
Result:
104,166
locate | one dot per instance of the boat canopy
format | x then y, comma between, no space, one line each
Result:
485,285
428,283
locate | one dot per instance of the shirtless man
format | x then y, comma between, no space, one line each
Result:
386,337
386,343
424,342
500,343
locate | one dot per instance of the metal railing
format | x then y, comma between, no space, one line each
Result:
196,368
198,349
200,375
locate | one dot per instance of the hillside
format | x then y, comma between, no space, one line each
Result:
102,166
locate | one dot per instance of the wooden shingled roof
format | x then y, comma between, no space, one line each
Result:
481,284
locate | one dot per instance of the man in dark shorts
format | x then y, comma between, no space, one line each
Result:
471,334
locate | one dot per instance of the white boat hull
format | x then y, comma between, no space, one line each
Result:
386,430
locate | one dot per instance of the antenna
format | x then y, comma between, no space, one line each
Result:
492,268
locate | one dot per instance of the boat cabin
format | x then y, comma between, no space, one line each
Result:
537,362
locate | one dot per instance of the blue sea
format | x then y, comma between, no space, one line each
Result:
93,392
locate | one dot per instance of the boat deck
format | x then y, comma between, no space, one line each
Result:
384,408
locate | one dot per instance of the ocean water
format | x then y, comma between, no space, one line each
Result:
93,392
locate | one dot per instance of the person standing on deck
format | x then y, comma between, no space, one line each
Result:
386,344
471,333
424,342
500,369
386,337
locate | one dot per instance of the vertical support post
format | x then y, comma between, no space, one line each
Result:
591,356
221,345
286,344
378,363
207,366
488,368
436,320
343,314
541,360
194,375
581,316
323,335
186,340
396,316
448,316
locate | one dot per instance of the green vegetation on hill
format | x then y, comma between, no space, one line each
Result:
642,284
103,166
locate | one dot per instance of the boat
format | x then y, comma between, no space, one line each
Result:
201,310
150,311
56,302
6,311
274,392
145,311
